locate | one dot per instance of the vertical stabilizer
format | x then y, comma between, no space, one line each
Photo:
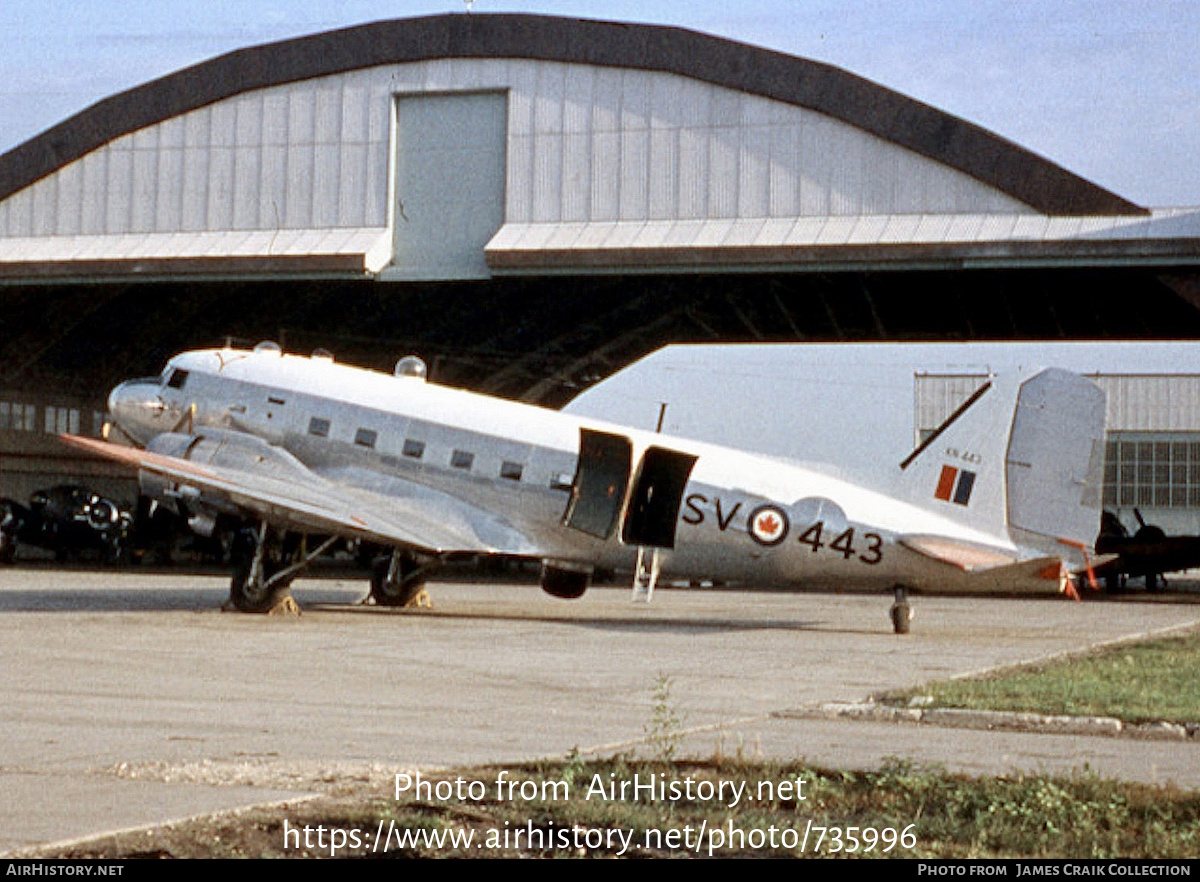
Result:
1055,462
958,470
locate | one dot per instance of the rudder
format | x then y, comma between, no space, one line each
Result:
1055,462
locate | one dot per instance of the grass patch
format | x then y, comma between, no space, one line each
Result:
932,814
1142,682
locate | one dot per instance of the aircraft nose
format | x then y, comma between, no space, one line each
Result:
138,409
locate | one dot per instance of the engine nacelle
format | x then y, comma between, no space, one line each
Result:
222,448
564,579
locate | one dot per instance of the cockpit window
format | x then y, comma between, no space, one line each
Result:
177,379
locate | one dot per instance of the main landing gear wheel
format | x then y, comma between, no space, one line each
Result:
260,583
901,611
261,594
399,580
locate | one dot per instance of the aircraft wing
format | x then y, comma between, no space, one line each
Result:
246,472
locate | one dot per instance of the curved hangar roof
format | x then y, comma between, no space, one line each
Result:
458,146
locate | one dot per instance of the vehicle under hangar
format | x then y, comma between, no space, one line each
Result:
532,203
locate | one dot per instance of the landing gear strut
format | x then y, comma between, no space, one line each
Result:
264,564
399,580
901,611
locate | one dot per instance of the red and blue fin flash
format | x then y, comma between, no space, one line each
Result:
955,485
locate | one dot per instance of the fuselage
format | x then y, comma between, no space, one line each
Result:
733,516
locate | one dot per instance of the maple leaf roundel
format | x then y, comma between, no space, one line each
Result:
768,525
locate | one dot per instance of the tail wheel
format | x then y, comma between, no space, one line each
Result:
901,612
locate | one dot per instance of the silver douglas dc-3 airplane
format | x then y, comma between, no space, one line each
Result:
1003,496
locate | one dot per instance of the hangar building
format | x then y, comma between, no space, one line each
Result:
532,203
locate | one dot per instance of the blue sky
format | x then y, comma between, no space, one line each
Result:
1110,89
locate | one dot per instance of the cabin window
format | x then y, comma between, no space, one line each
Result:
462,459
271,399
511,470
562,481
414,449
177,379
319,427
365,437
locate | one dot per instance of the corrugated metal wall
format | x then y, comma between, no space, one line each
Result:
1152,403
307,156
584,143
936,396
596,144
1136,402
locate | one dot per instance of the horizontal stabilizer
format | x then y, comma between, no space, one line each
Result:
991,570
1038,576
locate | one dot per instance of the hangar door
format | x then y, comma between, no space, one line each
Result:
450,175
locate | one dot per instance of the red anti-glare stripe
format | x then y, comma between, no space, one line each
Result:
946,483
